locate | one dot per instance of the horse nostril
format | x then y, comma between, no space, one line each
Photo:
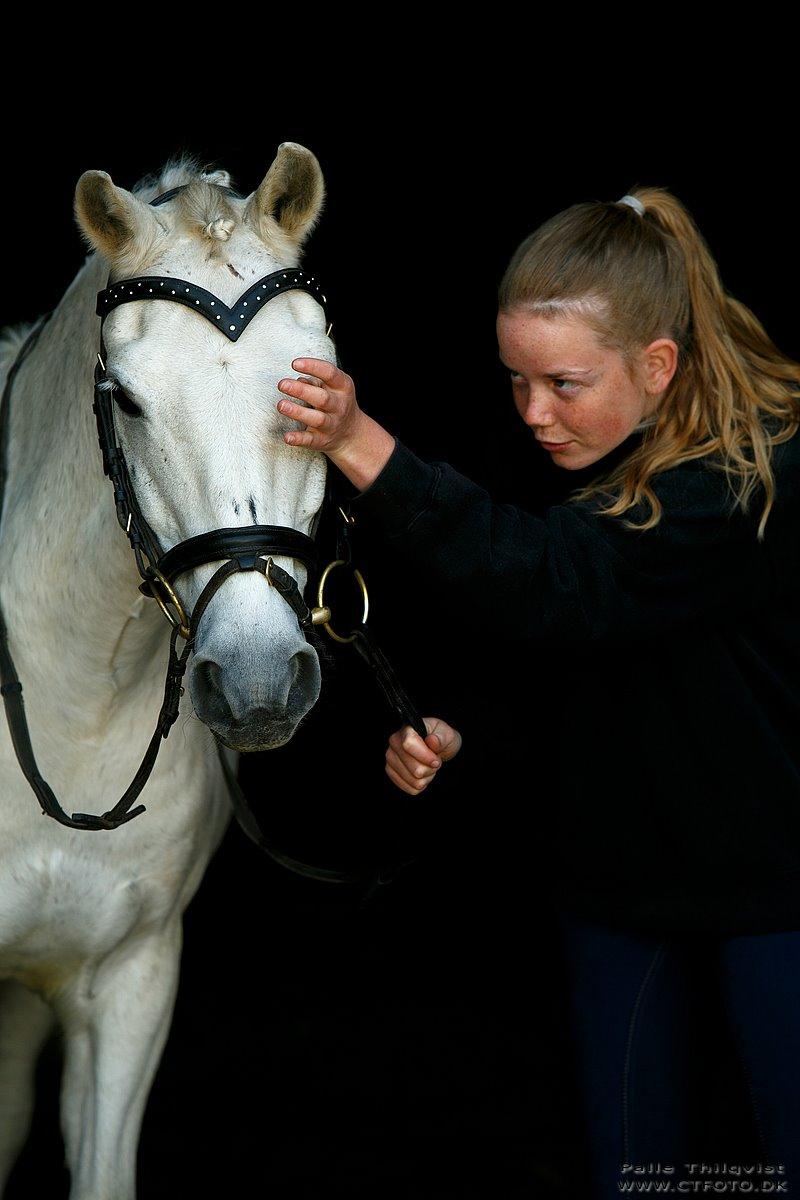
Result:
210,671
305,678
239,693
207,681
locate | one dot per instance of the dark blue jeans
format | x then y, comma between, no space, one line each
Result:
633,1004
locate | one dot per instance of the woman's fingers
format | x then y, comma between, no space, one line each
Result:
330,379
316,396
330,408
445,739
411,763
316,416
309,416
407,742
401,783
412,786
320,367
413,773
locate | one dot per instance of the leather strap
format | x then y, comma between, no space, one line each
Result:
282,580
370,880
390,685
243,542
11,687
230,321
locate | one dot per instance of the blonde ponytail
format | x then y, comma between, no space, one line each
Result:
634,276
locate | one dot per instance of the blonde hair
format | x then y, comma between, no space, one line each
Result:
632,279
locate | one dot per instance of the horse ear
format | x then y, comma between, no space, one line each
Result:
291,194
111,219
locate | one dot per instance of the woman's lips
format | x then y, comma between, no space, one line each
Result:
554,445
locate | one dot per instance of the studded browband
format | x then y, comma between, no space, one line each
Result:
232,321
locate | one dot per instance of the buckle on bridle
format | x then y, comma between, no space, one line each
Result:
181,623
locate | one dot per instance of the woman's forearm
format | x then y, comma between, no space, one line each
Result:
365,454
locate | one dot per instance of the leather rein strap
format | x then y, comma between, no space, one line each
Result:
242,548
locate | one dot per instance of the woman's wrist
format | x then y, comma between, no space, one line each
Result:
362,458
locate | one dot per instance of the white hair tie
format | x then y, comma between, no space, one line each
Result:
634,203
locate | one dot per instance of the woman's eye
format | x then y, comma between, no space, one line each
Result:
515,376
569,383
125,403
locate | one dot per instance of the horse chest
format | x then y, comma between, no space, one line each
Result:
60,908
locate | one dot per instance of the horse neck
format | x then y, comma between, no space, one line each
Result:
68,575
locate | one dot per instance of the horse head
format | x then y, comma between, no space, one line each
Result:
195,416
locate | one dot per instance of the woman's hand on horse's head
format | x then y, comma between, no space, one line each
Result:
332,415
411,763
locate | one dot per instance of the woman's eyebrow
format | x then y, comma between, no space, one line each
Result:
557,373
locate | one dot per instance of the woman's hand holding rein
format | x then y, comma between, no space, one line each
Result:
411,763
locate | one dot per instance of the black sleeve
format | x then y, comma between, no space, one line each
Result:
571,575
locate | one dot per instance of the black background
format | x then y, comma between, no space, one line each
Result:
418,1046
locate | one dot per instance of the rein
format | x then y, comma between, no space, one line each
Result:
243,549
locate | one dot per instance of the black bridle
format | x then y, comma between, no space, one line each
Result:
242,547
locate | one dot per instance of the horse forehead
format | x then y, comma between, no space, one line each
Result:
151,336
227,272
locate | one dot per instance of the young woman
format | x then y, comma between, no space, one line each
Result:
666,590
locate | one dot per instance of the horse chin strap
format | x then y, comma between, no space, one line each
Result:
242,547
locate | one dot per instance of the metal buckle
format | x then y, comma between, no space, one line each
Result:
182,622
322,614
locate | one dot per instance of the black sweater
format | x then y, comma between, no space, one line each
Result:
670,661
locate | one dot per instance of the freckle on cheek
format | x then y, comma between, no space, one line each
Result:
608,427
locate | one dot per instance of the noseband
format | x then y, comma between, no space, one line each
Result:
243,547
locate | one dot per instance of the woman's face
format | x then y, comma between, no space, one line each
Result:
569,389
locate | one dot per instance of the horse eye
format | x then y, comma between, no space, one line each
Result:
125,403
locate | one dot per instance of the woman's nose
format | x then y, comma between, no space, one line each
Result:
537,410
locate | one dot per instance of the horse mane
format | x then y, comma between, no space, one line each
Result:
203,204
11,339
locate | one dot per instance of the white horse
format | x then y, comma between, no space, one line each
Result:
91,922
